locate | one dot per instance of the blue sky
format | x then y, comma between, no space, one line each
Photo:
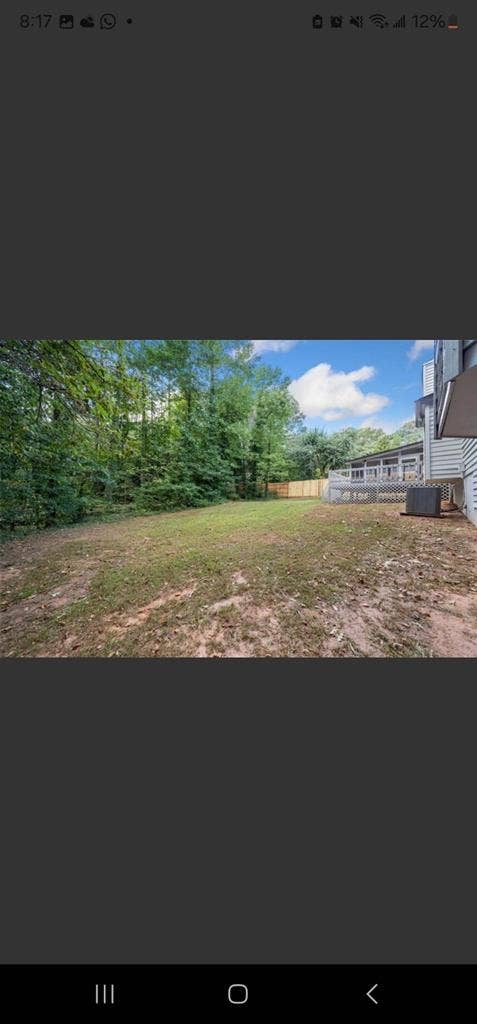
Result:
351,383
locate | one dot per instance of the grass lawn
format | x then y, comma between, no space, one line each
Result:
282,578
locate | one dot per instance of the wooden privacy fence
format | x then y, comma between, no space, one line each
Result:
298,489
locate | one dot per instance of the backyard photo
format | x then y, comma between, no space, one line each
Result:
238,499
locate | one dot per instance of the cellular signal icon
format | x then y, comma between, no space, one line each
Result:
401,22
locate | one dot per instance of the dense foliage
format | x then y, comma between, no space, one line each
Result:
95,427
92,428
312,453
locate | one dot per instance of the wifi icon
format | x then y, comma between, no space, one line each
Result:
379,20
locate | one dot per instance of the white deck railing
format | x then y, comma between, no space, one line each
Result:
376,475
342,488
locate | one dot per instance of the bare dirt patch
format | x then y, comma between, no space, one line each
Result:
366,628
396,622
9,573
119,624
280,579
233,629
453,626
351,634
66,593
239,580
227,602
214,642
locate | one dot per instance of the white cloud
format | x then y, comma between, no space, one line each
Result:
331,395
272,346
418,347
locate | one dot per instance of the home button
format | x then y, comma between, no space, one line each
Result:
238,995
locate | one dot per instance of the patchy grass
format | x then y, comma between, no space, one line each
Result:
283,578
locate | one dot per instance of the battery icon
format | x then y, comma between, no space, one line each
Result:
453,21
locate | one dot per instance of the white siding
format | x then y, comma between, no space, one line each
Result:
471,497
428,378
470,481
443,460
470,455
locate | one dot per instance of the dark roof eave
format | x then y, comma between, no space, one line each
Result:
415,445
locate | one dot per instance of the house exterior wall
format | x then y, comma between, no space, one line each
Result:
428,378
470,354
470,478
443,459
449,420
456,388
470,455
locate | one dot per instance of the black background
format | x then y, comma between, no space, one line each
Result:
238,812
222,170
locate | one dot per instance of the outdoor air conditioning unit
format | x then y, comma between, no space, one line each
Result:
423,501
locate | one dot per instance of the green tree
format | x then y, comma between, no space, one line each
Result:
408,433
275,410
92,427
314,452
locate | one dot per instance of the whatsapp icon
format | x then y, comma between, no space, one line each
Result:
107,21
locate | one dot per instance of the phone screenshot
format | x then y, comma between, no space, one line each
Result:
238,510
